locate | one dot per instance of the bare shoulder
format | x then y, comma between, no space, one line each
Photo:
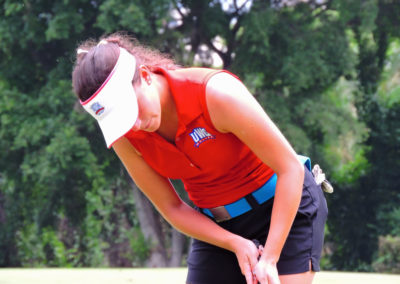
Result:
227,96
124,147
233,109
224,85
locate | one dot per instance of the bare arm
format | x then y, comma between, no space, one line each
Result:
184,218
233,109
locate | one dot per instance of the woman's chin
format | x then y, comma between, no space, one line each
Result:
152,126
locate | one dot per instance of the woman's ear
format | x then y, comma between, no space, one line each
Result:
145,74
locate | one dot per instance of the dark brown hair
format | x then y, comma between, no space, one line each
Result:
95,61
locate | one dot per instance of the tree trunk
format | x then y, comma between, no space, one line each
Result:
2,209
150,226
177,249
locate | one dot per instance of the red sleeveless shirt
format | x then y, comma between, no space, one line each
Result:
215,168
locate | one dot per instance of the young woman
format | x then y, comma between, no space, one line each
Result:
204,127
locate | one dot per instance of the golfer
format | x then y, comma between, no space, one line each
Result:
204,127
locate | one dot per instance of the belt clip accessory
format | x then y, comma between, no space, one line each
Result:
320,179
220,213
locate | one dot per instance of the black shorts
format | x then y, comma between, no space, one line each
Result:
208,264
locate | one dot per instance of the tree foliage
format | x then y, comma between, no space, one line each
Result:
327,72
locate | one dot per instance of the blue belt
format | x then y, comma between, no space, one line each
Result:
241,206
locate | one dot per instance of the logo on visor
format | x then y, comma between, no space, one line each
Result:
97,108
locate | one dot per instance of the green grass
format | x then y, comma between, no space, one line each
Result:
157,276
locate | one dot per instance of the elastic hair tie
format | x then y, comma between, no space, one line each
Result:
80,51
103,41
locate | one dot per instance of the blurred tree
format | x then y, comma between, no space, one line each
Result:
55,171
373,26
316,67
293,55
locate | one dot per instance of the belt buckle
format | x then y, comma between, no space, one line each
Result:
220,213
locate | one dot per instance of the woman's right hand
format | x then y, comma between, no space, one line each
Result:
247,255
266,272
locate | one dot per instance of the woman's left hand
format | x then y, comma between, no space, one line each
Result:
266,272
247,255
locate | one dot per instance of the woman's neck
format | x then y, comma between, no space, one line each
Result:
169,115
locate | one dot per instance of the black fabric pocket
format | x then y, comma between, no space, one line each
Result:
310,198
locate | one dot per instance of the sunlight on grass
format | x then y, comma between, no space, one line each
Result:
152,276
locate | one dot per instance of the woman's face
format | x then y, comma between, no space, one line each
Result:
149,118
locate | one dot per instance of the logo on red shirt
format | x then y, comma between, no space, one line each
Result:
199,135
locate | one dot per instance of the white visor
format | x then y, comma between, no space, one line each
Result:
114,104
